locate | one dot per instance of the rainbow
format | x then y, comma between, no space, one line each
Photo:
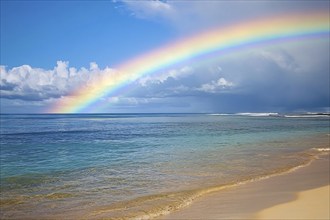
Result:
221,39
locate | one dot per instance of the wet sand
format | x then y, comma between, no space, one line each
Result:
267,198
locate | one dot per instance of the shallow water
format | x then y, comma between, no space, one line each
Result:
126,165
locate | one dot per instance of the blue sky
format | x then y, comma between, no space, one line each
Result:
39,33
43,40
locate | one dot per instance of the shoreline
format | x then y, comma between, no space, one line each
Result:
224,201
249,200
227,201
221,202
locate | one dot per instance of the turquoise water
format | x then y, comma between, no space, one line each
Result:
124,165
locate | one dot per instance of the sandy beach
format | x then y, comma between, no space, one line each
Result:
310,204
300,194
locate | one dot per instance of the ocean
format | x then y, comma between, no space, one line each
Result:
143,165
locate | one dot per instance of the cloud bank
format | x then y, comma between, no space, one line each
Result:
260,79
269,78
36,84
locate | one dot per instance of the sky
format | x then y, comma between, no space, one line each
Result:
49,49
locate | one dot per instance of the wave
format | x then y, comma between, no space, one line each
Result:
322,149
219,114
254,114
261,114
16,200
308,116
275,114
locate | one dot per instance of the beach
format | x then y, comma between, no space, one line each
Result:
310,204
299,194
146,166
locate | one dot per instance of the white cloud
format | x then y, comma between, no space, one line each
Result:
28,83
149,9
160,78
36,84
216,86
